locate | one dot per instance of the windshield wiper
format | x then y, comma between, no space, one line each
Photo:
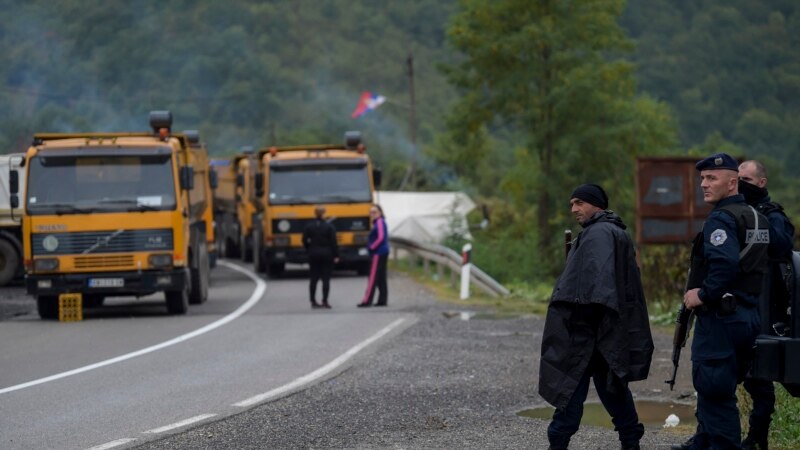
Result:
342,198
64,208
135,205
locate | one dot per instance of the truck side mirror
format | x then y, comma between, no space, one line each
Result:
187,178
13,182
259,184
376,177
213,179
239,180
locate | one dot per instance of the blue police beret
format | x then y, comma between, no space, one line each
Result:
718,161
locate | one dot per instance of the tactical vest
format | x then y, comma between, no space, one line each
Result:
752,230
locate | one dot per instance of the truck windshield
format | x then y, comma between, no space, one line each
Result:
335,183
70,184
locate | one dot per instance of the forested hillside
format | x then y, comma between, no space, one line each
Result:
642,77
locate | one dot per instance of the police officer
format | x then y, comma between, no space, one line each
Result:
319,239
733,252
753,185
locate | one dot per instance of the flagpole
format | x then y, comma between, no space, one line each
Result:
412,126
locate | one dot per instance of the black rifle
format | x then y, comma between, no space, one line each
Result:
567,242
683,324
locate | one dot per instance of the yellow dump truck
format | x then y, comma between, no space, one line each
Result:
115,214
291,181
236,204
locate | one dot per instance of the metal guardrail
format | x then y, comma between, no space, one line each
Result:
443,257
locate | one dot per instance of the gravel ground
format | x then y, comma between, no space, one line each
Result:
442,383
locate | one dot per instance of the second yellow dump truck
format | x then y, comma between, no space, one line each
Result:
291,181
116,214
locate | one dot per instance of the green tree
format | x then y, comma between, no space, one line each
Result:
553,72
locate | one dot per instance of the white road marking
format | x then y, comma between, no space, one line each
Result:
261,286
180,424
322,371
112,444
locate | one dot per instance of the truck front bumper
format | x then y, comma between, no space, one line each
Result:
107,283
347,255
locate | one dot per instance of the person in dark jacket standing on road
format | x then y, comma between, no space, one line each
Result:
378,246
597,325
319,239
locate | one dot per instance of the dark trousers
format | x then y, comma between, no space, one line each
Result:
320,269
715,378
617,401
377,280
763,394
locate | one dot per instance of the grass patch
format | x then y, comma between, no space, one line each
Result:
524,298
784,432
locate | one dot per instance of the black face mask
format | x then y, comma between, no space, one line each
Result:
752,193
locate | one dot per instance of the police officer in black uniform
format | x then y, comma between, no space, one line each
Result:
753,185
732,249
319,240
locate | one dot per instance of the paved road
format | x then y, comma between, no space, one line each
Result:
130,373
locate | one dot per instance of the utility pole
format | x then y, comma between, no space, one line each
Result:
408,179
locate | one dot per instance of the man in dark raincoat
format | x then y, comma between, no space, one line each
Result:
597,325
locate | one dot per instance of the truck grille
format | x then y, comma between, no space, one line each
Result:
103,261
115,241
341,224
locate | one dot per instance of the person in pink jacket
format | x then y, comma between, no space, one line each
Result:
378,246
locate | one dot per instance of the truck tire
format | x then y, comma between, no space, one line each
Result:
199,277
177,301
47,306
275,270
246,248
259,258
9,262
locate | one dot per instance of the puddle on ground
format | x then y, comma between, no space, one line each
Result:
651,414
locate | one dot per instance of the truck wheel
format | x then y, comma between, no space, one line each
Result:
47,306
199,278
177,301
276,270
9,262
231,248
246,248
259,258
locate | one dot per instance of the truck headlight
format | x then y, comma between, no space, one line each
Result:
45,264
160,260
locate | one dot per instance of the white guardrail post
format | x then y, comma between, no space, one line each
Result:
465,266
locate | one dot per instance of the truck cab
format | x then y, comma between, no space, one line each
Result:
115,214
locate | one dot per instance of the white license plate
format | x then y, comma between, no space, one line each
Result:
106,282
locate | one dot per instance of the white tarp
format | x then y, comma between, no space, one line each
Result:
425,216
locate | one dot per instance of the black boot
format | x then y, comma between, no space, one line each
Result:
755,441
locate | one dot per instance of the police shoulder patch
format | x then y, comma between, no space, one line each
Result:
718,237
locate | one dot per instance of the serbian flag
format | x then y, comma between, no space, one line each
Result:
367,102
